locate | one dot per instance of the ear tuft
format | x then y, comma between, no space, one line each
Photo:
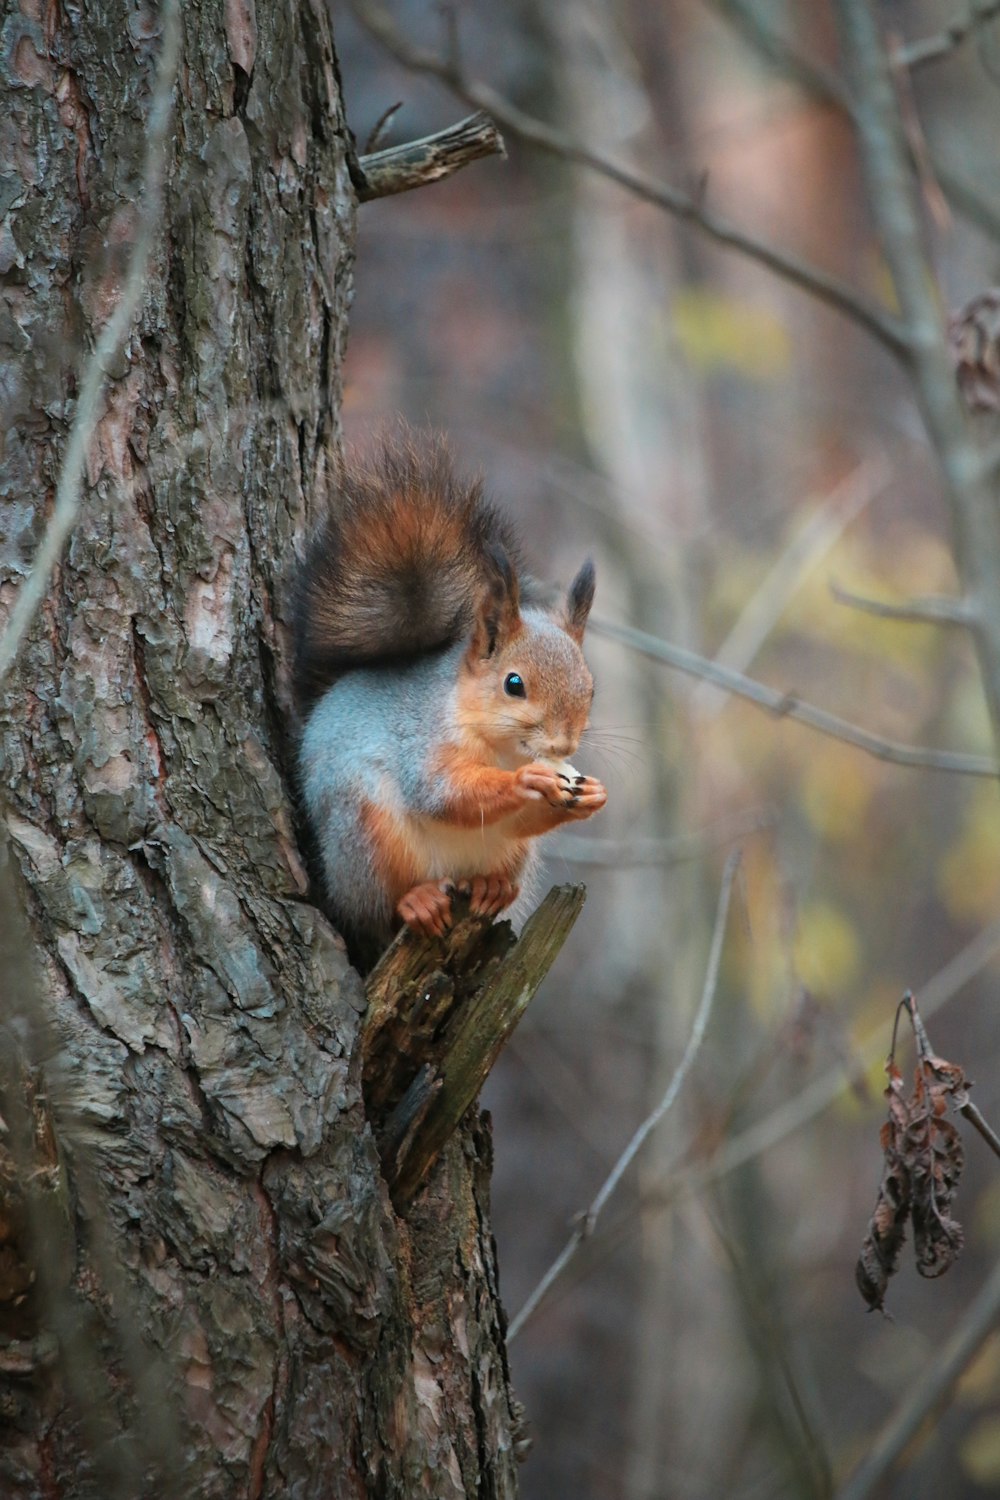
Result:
499,615
579,599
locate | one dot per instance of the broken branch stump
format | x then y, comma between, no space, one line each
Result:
439,1013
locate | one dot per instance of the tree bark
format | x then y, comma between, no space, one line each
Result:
203,1286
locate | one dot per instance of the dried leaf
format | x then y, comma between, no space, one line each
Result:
883,1244
939,1159
974,337
923,1161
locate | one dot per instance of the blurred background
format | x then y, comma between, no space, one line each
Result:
732,453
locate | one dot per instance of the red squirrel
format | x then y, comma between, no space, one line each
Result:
440,703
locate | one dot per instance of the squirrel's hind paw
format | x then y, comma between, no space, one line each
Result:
427,908
489,893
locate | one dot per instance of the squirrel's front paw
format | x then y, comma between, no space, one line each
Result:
576,796
539,782
589,797
427,908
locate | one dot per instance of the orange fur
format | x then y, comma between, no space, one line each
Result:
393,860
480,794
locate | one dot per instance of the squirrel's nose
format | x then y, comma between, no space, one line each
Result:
560,749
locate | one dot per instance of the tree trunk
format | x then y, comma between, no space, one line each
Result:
203,1286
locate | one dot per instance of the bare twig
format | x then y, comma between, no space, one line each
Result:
689,207
814,539
588,1221
821,1092
618,854
974,515
431,159
825,85
932,48
940,1375
109,343
925,1053
787,705
932,610
380,127
686,1178
985,1129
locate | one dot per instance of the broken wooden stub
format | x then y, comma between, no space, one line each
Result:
398,169
439,1012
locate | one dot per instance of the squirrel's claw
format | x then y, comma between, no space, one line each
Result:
427,908
490,894
589,796
577,797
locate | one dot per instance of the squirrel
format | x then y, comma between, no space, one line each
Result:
439,699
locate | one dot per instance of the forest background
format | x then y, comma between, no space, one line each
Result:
739,458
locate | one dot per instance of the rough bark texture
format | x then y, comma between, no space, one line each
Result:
227,1304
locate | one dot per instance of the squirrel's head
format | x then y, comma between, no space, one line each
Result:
525,688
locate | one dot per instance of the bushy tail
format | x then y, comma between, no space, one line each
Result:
398,567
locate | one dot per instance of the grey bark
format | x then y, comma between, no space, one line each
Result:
203,1286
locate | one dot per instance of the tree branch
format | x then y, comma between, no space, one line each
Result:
817,1096
788,706
933,48
825,85
980,1319
932,610
106,350
587,1222
817,536
974,515
689,207
414,164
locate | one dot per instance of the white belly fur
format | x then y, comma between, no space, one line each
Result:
448,853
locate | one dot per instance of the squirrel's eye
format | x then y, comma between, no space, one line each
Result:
513,685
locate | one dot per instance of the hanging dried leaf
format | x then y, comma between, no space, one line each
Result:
883,1244
923,1161
939,1159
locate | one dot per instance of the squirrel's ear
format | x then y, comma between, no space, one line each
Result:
498,617
578,601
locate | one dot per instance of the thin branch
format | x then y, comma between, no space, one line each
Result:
788,706
817,1096
814,539
813,1100
976,1120
414,164
109,344
932,48
940,1375
587,1222
974,516
380,127
689,207
925,1053
934,609
821,1092
825,85
618,854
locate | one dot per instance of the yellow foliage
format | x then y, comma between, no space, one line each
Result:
979,1451
837,786
969,876
981,1380
827,951
719,332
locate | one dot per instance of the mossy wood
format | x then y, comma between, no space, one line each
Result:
440,1011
